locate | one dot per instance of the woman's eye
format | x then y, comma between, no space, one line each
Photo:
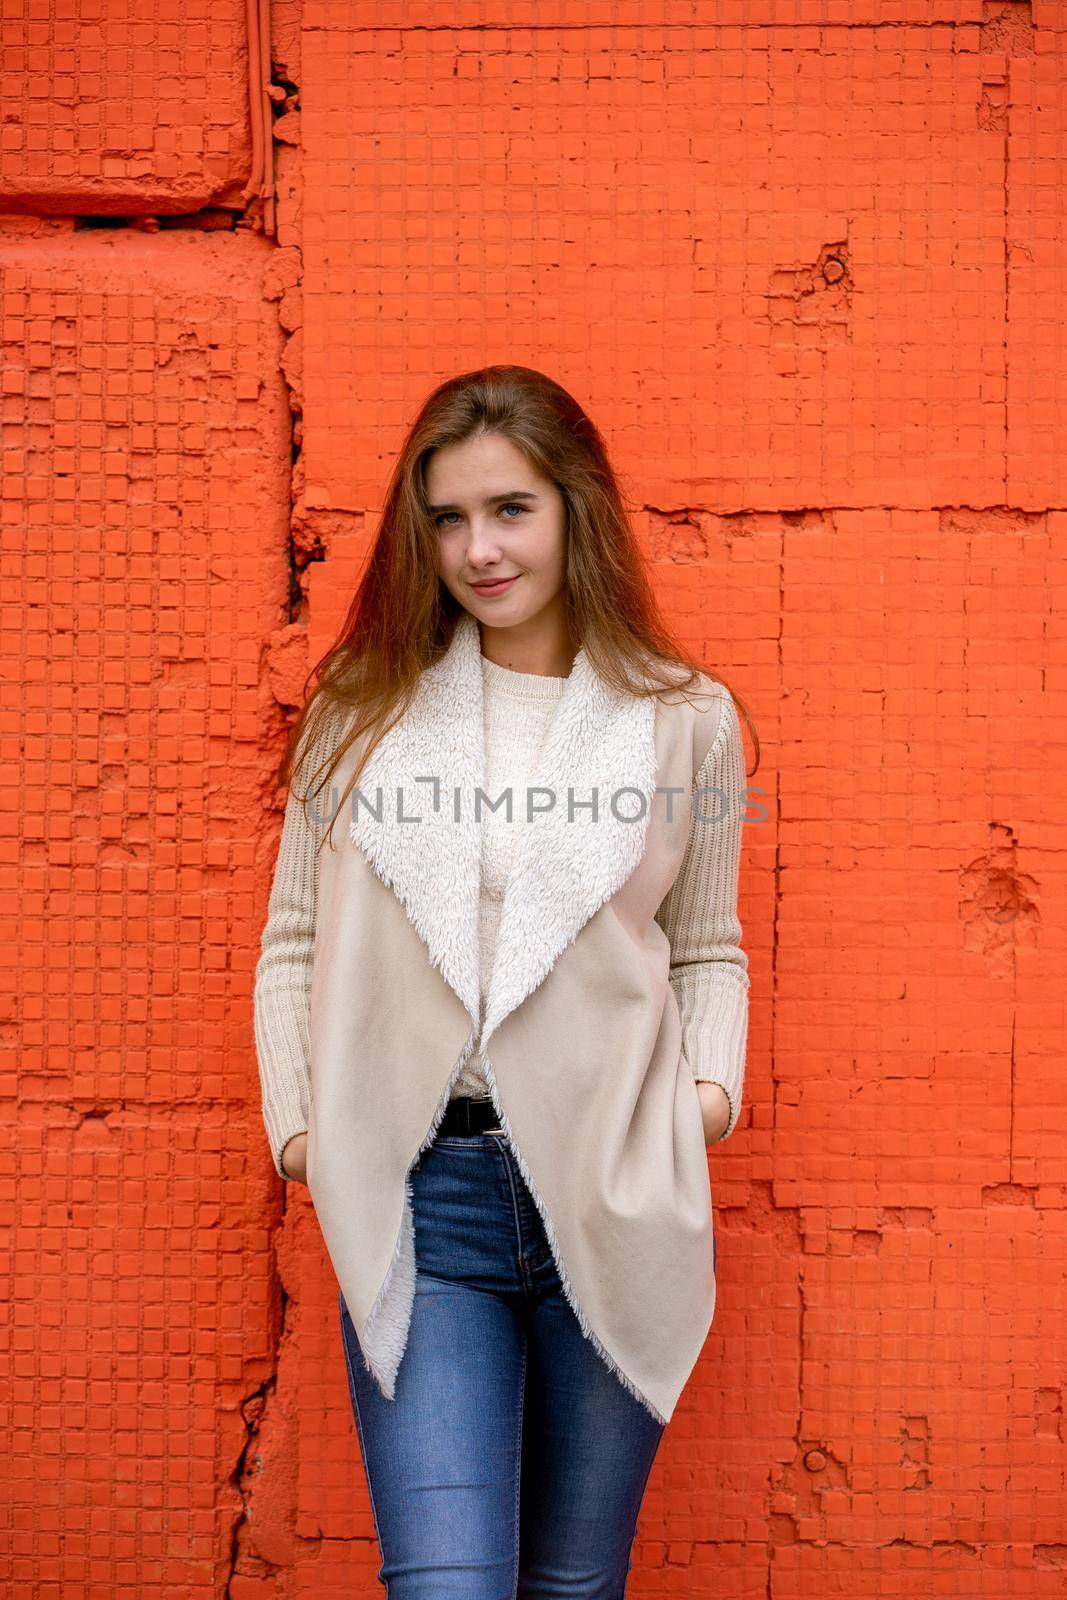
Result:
512,505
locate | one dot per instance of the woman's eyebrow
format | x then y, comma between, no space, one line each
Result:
493,499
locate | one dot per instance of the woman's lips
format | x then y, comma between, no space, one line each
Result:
499,586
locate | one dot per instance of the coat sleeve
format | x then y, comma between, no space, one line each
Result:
709,969
282,993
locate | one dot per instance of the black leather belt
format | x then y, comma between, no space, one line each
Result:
470,1114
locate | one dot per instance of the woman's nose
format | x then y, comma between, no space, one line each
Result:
482,544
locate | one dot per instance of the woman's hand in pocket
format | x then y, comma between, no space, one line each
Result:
714,1108
295,1157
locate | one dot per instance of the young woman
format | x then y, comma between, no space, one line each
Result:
499,1020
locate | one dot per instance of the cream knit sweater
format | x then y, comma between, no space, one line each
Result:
709,969
519,707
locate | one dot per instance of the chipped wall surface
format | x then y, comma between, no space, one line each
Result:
806,268
118,108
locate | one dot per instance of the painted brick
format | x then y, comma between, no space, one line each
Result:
143,529
124,109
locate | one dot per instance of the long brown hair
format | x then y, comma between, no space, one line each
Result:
402,617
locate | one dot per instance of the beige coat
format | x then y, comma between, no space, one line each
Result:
581,1034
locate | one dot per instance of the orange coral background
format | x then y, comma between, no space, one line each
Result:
804,262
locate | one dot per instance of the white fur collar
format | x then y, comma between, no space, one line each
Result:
600,740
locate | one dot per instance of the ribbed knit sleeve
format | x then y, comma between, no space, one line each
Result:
709,969
282,996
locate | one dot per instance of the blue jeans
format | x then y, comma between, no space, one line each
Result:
512,1461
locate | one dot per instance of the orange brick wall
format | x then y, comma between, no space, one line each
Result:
805,263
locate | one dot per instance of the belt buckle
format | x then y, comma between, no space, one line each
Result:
498,1130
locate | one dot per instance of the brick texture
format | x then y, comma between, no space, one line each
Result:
118,108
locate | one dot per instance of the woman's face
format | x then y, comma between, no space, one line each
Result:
498,518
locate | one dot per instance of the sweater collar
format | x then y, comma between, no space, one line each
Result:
507,684
417,826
